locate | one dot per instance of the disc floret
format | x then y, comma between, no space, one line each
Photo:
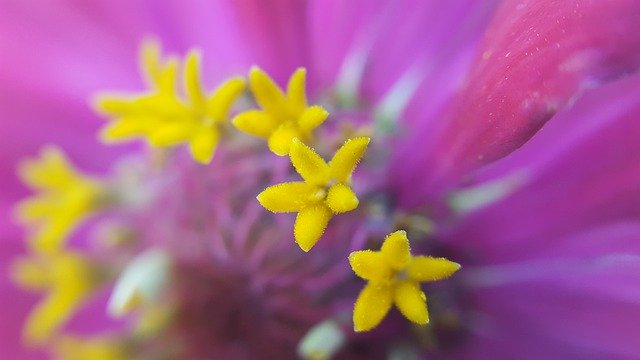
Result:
394,276
325,191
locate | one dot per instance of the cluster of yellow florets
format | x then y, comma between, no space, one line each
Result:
164,116
65,197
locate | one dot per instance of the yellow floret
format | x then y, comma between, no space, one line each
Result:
324,192
66,277
162,116
65,197
394,277
283,117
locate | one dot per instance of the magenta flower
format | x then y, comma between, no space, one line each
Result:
504,137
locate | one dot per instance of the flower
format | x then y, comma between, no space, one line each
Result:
504,139
394,276
324,192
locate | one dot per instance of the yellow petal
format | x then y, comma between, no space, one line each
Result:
347,157
412,302
341,198
48,316
267,94
310,225
30,274
203,144
395,250
171,134
281,139
296,91
287,197
160,76
126,128
51,170
150,61
168,77
51,235
114,105
35,208
192,83
312,117
372,306
223,97
71,283
309,164
370,265
426,268
256,122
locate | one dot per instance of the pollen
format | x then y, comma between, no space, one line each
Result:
165,117
283,117
394,277
324,192
65,197
66,277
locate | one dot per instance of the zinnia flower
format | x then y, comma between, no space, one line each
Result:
500,136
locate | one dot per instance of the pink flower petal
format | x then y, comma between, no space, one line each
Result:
581,170
538,56
580,307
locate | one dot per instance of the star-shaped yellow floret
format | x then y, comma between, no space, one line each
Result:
324,192
165,118
283,116
394,276
65,197
66,277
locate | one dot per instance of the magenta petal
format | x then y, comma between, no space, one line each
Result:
274,32
581,170
419,39
15,304
537,57
582,306
575,296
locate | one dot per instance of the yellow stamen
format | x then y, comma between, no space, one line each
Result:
163,117
324,192
394,276
283,117
65,198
